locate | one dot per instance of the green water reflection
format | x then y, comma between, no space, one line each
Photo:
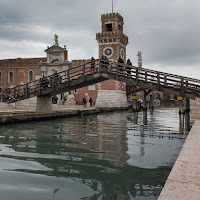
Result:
106,156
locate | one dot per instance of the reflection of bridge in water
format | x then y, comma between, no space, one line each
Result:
98,161
81,76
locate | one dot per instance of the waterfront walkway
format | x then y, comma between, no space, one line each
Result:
184,179
15,115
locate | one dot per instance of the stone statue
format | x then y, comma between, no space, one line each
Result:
69,97
56,39
87,99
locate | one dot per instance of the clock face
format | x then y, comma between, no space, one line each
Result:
122,53
108,51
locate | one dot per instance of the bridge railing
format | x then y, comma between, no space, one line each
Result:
141,75
157,77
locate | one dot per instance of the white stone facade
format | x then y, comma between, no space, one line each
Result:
38,104
111,99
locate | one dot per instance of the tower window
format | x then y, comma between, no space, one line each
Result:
30,76
109,27
120,27
10,77
0,77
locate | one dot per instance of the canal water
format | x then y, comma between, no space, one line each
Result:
109,156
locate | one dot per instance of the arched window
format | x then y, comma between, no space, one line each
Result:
0,77
30,76
10,76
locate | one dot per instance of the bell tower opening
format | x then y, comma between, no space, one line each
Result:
109,27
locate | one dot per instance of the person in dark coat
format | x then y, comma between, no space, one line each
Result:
92,64
120,63
84,102
44,82
128,67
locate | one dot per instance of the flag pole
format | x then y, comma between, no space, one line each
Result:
112,6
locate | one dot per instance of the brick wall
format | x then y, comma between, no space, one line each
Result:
20,69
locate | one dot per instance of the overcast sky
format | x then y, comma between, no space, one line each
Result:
166,31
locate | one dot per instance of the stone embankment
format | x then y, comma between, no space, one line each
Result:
10,115
184,179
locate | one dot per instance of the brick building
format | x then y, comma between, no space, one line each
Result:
112,43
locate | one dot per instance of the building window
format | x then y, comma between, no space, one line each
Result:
10,76
30,76
0,77
109,27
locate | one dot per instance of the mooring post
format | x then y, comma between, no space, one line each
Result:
180,103
181,123
186,105
151,102
145,117
135,106
144,100
187,121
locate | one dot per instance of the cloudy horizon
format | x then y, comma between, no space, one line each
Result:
167,32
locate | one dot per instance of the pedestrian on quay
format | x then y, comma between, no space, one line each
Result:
91,101
128,67
84,102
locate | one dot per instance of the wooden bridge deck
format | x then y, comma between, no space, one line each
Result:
81,76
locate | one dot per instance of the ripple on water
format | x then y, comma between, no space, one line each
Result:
106,156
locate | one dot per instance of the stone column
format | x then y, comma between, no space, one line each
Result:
44,104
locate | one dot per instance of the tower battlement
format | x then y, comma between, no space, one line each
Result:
114,36
112,17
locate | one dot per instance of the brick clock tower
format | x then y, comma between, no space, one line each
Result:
112,44
112,41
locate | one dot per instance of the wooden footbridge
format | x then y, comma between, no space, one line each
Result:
83,75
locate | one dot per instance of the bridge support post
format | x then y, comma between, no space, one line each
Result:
44,104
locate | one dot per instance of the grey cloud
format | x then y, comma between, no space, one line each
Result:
166,32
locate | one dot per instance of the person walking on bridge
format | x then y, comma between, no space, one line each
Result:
92,65
128,67
120,64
